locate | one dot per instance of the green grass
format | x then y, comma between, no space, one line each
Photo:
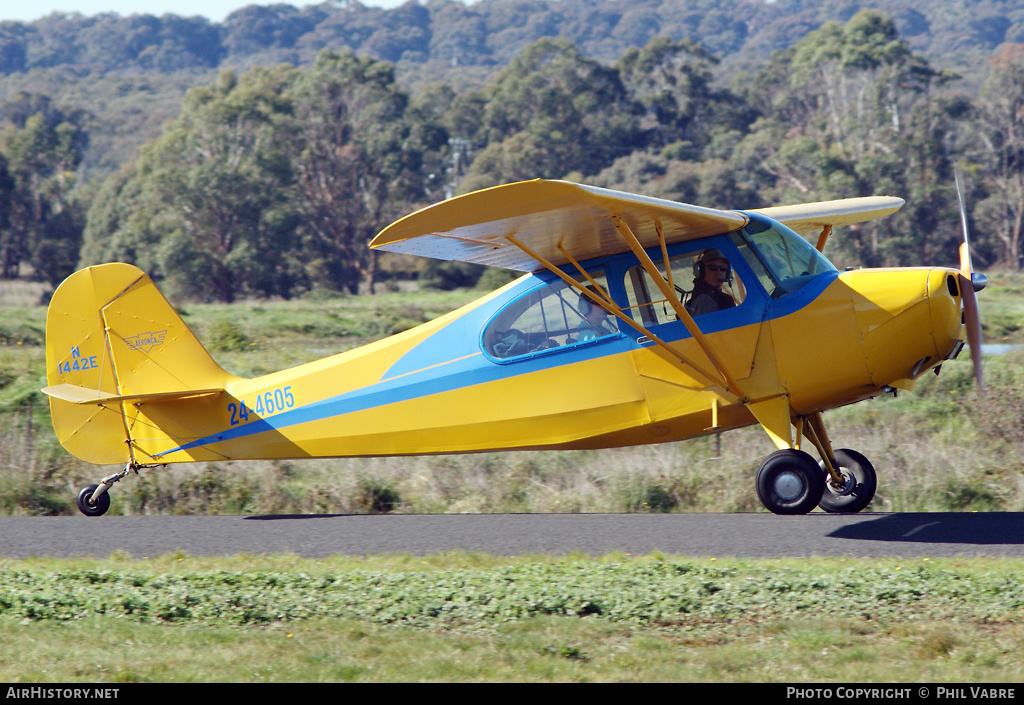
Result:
1001,306
457,617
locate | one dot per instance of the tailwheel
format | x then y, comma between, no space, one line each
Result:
93,500
90,504
790,482
858,487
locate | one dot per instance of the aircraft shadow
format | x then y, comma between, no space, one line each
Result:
274,517
988,528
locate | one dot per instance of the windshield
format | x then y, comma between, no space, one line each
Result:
783,261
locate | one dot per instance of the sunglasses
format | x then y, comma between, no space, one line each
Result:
717,267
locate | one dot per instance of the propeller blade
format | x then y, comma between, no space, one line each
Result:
972,321
965,248
968,290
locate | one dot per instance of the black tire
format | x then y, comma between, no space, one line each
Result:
93,509
790,482
854,467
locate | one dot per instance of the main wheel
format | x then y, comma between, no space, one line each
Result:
790,482
859,484
90,508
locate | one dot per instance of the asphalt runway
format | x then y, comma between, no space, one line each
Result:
753,535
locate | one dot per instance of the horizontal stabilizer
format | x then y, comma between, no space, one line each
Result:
81,395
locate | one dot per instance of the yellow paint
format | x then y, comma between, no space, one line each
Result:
818,351
905,317
807,218
773,415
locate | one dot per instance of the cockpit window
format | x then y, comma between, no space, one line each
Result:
548,317
650,306
782,260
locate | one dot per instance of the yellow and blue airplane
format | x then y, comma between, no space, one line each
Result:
598,345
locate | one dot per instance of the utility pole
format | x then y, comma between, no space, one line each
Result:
461,149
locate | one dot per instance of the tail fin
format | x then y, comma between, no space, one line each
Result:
113,343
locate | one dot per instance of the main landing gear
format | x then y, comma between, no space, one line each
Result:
93,500
857,488
790,482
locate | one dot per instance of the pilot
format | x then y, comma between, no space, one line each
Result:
595,323
711,272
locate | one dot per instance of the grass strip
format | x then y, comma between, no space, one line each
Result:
479,618
650,591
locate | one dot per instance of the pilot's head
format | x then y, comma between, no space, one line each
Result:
591,311
713,268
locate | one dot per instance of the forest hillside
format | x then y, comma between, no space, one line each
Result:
269,148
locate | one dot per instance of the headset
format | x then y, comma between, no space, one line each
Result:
586,305
709,255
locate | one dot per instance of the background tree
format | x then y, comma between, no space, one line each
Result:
274,180
215,186
690,127
261,29
1001,154
459,34
359,162
119,223
14,40
42,147
673,81
553,111
11,250
851,111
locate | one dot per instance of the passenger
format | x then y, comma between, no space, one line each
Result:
595,323
711,272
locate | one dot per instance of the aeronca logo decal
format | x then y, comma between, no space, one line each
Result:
145,341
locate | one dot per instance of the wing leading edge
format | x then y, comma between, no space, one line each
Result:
808,218
559,221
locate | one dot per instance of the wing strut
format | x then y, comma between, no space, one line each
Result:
669,292
608,305
823,237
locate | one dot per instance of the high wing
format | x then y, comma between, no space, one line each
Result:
557,220
807,218
530,225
